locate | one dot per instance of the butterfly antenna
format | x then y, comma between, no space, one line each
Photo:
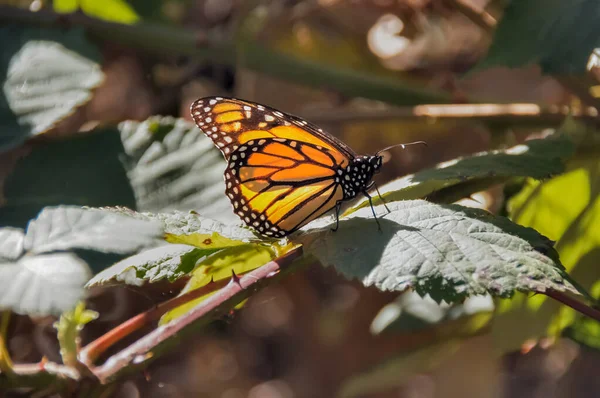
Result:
401,145
381,197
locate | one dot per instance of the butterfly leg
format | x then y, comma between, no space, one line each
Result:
338,206
373,209
382,200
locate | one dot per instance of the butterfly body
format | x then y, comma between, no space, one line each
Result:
282,171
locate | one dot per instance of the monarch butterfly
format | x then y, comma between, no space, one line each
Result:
282,172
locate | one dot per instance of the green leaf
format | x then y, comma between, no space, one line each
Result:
69,227
535,158
69,326
11,243
567,210
217,267
46,74
46,284
172,165
108,10
449,252
411,312
558,35
398,370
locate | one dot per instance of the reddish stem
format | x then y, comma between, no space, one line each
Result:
573,303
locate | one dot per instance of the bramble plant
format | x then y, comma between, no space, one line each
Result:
127,185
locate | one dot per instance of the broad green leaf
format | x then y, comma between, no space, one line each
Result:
539,159
164,262
567,210
411,312
109,10
69,326
70,227
558,35
11,243
46,284
172,165
447,251
398,370
219,266
46,74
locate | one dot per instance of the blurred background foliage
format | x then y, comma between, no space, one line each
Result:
83,81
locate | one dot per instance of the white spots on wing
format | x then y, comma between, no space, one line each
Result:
227,150
269,118
228,139
220,144
242,155
214,129
247,108
293,144
207,109
248,114
277,113
212,102
233,157
261,142
208,120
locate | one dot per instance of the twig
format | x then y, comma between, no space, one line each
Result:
93,350
6,365
513,113
39,376
575,304
479,17
150,347
247,52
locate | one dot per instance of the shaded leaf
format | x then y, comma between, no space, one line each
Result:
558,35
172,165
219,266
47,73
11,243
449,252
536,158
68,326
108,10
69,227
46,284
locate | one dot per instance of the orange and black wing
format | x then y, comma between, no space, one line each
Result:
231,122
277,185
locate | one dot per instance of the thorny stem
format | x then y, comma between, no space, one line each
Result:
93,350
151,346
6,365
577,305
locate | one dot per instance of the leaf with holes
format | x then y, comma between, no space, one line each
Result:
447,251
71,227
47,74
46,284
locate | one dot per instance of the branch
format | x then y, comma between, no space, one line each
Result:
150,347
491,113
479,17
249,53
575,304
39,376
93,350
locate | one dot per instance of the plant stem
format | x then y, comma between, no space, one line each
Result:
93,350
150,347
248,53
574,303
6,365
479,17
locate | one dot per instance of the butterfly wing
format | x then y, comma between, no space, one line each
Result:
278,185
231,122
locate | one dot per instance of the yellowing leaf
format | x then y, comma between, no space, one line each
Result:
109,10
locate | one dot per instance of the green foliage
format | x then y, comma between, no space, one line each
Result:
449,252
39,277
536,158
109,10
69,326
46,74
558,35
567,210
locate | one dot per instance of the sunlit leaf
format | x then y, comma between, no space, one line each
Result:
11,243
70,227
109,10
218,267
46,284
536,158
68,326
566,209
449,252
47,74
